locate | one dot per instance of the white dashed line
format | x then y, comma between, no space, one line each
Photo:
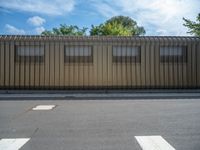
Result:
153,143
43,107
12,144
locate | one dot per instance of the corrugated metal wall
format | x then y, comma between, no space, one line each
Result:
91,63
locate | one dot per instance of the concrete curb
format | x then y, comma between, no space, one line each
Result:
90,96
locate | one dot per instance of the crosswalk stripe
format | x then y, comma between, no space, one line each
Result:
12,144
43,107
155,142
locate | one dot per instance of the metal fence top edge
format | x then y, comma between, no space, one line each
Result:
95,38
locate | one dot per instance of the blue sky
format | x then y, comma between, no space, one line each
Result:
159,17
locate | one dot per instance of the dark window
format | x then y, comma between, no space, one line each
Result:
126,54
29,53
76,54
173,54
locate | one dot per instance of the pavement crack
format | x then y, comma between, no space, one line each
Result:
35,131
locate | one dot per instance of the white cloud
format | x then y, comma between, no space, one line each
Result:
39,30
159,17
54,7
13,30
36,21
105,9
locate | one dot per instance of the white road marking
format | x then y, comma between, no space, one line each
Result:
153,143
43,107
12,144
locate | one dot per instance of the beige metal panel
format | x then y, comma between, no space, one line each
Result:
66,76
185,83
128,75
193,65
133,70
103,71
91,75
184,75
56,60
166,66
17,71
129,70
120,71
109,63
66,71
37,70
12,63
81,67
7,64
138,75
139,66
47,65
85,71
162,67
62,64
175,66
105,64
99,65
198,64
27,69
179,69
52,64
152,64
42,68
71,72
114,76
189,64
123,74
78,72
32,69
77,69
143,60
133,74
76,75
157,63
147,64
22,69
2,64
123,66
114,68
170,66
95,64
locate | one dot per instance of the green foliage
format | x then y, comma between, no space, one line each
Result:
110,29
118,25
194,27
66,30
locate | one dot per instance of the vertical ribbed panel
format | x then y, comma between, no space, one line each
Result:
89,62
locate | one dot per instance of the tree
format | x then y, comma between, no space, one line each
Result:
66,30
118,25
110,29
194,27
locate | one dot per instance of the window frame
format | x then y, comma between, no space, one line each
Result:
29,59
78,59
174,58
127,59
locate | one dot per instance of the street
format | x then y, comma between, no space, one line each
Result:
100,124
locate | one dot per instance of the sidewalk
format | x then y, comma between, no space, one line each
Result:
73,95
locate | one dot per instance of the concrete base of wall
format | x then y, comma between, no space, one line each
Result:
100,94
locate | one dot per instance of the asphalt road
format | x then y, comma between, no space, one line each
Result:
101,124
